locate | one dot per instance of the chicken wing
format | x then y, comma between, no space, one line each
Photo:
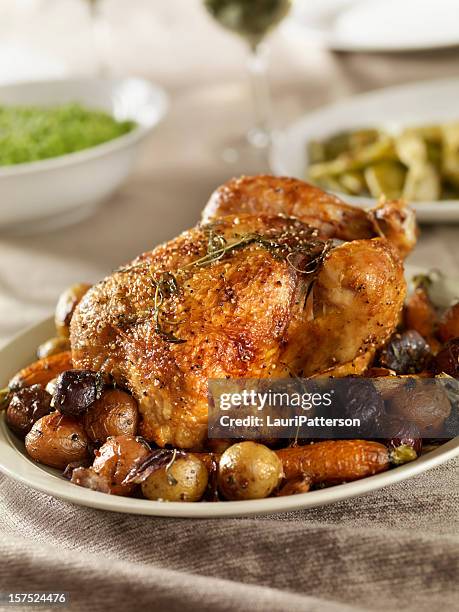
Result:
331,216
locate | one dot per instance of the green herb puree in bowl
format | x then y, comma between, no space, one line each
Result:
32,133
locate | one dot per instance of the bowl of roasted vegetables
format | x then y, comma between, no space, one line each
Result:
398,142
418,163
277,279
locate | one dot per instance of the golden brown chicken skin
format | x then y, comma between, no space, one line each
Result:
265,194
356,301
246,296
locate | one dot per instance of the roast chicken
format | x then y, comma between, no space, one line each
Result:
250,294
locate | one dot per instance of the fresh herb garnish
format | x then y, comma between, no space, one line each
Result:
308,250
165,287
170,478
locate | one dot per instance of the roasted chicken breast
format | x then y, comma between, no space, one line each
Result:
242,296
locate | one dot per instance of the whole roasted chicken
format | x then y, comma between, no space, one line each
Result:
288,282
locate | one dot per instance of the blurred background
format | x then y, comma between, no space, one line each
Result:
202,67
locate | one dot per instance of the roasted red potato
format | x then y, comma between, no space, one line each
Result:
114,414
114,460
68,301
57,440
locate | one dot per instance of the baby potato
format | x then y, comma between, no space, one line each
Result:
53,346
248,470
114,414
68,301
114,460
57,440
185,481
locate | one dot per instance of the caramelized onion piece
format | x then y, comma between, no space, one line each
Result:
26,407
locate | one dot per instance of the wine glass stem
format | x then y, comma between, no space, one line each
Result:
99,36
260,134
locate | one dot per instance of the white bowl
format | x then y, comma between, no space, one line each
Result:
390,108
59,190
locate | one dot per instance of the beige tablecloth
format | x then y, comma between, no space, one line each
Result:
394,549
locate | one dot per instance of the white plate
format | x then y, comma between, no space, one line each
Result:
391,108
60,190
376,25
15,463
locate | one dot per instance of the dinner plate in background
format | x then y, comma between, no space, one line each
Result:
376,25
54,192
391,109
15,463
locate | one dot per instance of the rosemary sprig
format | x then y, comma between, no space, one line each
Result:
222,248
167,286
215,241
134,266
170,478
219,252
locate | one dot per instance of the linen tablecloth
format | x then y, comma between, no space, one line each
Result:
394,549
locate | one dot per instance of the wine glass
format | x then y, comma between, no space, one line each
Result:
100,35
253,20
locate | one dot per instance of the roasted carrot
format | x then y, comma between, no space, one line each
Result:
448,327
42,371
335,461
